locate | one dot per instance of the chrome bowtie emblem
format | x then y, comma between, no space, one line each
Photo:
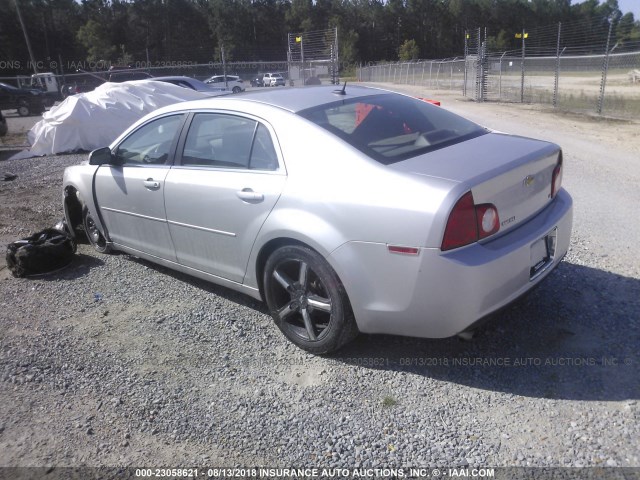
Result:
528,180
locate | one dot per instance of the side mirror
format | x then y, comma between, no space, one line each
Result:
102,156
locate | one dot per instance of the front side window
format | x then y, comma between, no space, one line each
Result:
151,143
228,141
390,128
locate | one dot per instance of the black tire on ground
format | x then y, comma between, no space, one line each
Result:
43,252
307,300
236,90
94,235
23,108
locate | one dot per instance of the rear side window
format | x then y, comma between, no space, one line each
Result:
390,128
228,141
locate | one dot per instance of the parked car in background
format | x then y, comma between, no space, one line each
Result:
232,82
272,80
192,83
47,82
27,101
3,125
125,76
81,83
257,81
345,210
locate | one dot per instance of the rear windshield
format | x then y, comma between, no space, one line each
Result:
390,128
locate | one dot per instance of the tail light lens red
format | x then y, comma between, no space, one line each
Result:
462,226
469,223
556,179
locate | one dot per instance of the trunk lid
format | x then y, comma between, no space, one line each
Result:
513,173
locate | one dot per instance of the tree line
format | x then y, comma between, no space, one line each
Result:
157,31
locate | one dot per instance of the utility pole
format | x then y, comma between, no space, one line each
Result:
26,38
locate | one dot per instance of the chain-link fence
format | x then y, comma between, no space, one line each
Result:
573,83
571,67
433,74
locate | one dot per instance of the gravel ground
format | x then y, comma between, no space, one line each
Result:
114,361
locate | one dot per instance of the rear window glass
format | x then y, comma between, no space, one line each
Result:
390,128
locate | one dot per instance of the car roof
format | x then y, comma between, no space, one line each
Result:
287,98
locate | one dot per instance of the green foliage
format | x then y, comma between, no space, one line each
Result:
499,42
96,39
369,30
409,50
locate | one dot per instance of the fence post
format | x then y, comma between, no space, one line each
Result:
500,78
466,53
484,67
522,68
422,78
451,78
430,74
555,82
478,68
605,68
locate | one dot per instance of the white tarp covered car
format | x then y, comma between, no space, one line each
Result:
91,120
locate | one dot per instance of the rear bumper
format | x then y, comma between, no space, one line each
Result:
439,294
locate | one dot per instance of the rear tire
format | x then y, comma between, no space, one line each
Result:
23,109
94,235
307,300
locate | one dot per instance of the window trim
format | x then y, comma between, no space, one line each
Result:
281,170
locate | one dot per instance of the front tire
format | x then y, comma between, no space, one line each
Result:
94,235
307,300
23,109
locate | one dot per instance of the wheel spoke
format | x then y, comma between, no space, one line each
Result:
319,303
302,278
308,324
287,310
283,280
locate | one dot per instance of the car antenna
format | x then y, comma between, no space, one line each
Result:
343,91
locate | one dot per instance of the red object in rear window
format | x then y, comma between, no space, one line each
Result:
428,100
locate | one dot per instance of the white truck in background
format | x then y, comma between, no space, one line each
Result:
47,82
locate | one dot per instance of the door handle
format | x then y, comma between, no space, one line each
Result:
248,195
151,184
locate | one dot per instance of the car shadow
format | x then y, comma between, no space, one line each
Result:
219,290
575,337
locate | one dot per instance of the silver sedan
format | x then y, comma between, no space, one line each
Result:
346,210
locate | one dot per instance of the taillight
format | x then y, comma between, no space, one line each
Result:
462,227
556,178
469,223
